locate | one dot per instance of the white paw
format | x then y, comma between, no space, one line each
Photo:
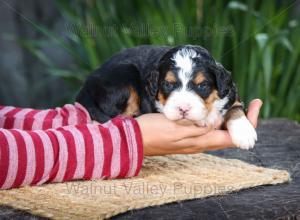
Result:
242,132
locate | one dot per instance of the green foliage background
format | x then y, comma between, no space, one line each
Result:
258,41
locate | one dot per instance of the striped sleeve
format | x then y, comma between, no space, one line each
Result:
32,119
88,151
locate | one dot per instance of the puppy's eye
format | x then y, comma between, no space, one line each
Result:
168,85
203,87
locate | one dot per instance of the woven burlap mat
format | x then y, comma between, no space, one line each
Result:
162,180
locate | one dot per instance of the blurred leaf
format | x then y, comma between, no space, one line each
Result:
257,40
262,39
287,44
238,6
68,74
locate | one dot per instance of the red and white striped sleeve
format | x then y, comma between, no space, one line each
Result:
88,151
32,119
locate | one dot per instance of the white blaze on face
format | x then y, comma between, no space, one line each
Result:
183,98
186,99
183,60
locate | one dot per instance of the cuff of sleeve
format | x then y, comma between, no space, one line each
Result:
140,147
132,148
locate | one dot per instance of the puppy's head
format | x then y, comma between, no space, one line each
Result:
192,86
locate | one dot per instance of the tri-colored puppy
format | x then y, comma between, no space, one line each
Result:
184,83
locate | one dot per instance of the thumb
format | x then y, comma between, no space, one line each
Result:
253,111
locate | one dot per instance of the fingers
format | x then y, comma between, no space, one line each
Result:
253,111
218,139
184,132
213,140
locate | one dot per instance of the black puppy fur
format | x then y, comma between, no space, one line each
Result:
142,69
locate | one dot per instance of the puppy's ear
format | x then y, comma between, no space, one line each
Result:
224,81
152,84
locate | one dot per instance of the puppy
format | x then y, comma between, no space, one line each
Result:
184,83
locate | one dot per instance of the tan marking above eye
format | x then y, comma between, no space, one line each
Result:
199,78
170,77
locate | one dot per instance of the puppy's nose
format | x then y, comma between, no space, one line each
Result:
183,110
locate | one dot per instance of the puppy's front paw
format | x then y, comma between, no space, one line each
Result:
242,132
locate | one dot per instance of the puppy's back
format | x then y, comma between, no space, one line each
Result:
144,57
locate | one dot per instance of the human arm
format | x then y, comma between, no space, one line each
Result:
90,151
94,151
41,119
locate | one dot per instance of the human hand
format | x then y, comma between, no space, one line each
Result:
162,136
